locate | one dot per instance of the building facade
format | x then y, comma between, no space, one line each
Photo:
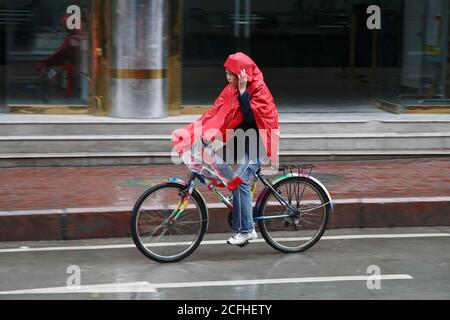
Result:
152,58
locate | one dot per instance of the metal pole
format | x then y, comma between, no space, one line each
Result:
247,18
237,19
2,67
445,49
353,46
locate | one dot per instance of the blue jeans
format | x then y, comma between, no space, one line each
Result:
242,196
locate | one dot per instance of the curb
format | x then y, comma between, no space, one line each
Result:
88,223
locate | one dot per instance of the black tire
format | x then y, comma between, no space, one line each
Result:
312,239
134,223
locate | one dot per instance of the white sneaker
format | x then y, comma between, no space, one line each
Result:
253,235
241,238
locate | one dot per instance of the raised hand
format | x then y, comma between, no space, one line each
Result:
242,83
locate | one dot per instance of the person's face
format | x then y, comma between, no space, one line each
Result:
231,78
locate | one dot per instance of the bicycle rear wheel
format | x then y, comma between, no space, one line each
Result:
288,231
161,238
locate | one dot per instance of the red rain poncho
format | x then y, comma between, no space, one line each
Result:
226,113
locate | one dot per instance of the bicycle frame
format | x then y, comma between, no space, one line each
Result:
190,184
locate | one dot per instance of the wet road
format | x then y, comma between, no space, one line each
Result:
402,263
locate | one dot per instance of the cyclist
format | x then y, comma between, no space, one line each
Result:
246,106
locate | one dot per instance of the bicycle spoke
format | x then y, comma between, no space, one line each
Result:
289,193
295,193
189,222
303,191
309,209
179,227
161,234
147,214
154,232
311,223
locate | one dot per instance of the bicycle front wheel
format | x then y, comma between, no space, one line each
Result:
297,231
162,235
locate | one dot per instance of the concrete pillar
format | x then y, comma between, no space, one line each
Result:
138,86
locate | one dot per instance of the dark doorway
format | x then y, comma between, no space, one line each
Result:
302,47
2,66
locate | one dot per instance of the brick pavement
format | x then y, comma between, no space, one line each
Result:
118,187
73,187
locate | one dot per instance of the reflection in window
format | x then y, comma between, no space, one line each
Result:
46,62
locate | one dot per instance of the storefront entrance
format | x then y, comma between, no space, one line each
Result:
316,55
423,75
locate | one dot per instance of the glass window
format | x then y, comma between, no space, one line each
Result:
319,54
46,62
423,52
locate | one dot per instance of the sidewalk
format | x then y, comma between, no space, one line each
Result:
90,202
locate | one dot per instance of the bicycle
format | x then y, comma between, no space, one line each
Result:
167,232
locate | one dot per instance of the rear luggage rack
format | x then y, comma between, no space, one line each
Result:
300,169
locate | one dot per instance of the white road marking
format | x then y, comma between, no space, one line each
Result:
96,288
385,236
223,242
144,286
392,200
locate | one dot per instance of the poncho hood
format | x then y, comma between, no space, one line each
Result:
239,61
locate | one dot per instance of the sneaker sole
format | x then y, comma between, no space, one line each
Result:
238,244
